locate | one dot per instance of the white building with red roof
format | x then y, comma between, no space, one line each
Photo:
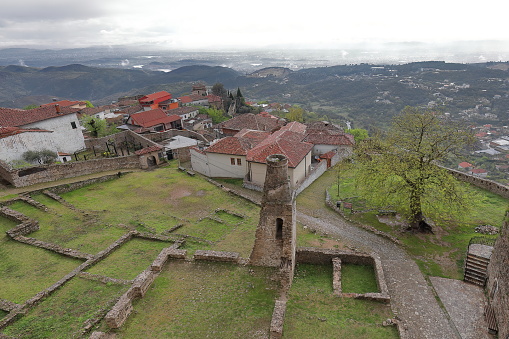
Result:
49,127
283,142
226,158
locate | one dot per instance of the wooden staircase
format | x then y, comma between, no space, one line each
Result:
476,269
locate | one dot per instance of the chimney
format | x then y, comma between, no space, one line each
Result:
57,107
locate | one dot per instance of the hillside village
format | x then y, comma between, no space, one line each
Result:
157,127
195,138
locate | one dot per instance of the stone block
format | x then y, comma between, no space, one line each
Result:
216,256
120,312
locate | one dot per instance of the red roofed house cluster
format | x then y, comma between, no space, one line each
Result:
243,154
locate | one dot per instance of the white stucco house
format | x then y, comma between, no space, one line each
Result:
48,127
226,158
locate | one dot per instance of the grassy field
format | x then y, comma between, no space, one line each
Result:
441,253
64,313
199,300
187,299
26,270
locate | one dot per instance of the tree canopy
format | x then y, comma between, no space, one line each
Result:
400,168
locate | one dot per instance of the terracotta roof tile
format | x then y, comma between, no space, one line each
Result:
154,96
10,131
147,150
281,142
151,118
10,117
252,121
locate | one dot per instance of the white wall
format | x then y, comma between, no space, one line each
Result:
65,138
13,147
217,165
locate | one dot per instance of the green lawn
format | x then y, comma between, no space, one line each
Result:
26,270
198,300
63,314
130,259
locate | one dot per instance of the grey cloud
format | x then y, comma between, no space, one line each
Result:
36,10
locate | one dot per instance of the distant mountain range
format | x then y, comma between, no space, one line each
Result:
364,94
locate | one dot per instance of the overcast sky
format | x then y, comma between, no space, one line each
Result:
239,23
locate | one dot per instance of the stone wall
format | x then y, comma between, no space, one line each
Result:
160,136
46,173
318,256
486,184
315,174
99,144
216,256
498,280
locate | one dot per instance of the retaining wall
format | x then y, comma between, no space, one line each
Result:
46,173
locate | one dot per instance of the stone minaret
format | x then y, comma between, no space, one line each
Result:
276,232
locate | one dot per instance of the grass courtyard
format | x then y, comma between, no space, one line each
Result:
188,299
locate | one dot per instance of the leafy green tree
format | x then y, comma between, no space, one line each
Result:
88,103
399,169
359,134
30,107
295,113
96,127
216,115
42,157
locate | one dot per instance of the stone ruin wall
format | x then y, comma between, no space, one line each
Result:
48,173
498,280
486,184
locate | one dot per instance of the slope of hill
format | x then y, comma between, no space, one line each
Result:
364,94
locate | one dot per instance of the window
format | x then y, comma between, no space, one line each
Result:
279,228
232,161
239,161
73,124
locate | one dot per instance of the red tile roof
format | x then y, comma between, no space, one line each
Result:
478,171
239,144
281,142
190,98
149,149
252,121
151,118
328,137
10,131
162,95
11,117
465,164
65,103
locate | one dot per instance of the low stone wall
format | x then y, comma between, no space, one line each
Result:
498,280
216,256
160,136
486,184
26,226
68,252
336,276
319,256
278,319
119,313
47,173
